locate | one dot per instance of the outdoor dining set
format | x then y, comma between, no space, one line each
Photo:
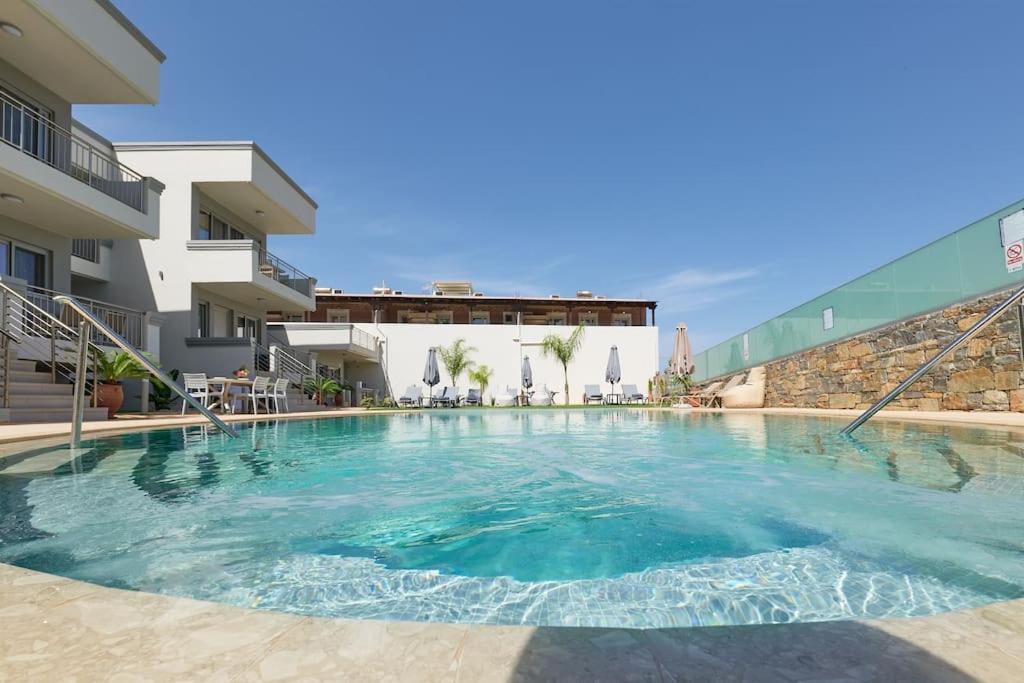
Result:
237,394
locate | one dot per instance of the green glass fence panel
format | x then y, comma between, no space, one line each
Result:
928,278
964,265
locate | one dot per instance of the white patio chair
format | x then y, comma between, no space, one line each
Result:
279,393
259,391
197,386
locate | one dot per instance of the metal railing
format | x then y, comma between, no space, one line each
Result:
86,249
36,135
87,321
126,322
42,337
987,320
285,273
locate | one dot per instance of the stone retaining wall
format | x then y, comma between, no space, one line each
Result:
984,374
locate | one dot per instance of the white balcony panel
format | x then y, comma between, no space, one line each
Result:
85,51
321,337
60,203
238,175
238,270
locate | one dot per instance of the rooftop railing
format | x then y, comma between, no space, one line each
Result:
86,249
25,129
285,273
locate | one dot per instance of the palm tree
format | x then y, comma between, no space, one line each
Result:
482,376
456,358
564,350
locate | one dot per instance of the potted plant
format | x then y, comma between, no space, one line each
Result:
160,395
241,373
322,387
344,397
112,369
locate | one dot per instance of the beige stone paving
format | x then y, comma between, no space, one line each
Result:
52,628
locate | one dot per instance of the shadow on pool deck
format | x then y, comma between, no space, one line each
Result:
833,651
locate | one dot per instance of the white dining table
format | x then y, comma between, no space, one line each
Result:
225,384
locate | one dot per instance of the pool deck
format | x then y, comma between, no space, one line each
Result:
53,628
60,629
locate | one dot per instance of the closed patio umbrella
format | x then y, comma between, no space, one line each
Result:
527,378
431,374
613,373
681,362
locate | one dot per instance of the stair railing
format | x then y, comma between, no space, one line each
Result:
975,329
43,337
85,327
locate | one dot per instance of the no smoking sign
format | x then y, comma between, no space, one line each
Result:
1014,256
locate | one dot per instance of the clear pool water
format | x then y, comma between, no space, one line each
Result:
590,517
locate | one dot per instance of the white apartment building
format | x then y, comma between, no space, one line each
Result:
209,276
63,191
381,339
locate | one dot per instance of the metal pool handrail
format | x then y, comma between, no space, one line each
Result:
88,319
930,363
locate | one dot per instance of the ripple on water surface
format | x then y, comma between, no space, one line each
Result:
587,518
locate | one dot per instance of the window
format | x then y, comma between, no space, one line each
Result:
509,318
588,319
203,229
222,321
622,320
444,318
337,315
5,257
480,318
30,266
556,319
203,315
248,328
828,319
293,318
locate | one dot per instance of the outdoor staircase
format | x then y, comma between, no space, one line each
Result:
34,397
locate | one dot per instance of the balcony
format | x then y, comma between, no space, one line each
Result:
84,51
60,182
244,271
327,339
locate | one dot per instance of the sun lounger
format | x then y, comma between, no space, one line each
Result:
631,395
709,394
472,397
545,397
592,392
507,397
447,398
413,396
749,394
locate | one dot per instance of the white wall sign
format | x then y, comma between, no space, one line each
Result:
1011,228
1014,254
828,320
746,347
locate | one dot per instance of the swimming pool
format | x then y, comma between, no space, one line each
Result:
602,517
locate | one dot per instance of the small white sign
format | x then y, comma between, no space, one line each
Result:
746,347
1011,228
1014,254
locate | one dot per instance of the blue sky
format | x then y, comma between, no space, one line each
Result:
730,159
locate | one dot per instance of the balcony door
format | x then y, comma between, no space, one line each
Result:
30,266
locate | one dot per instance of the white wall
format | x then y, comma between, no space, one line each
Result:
501,346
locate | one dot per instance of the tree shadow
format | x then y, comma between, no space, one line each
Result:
834,651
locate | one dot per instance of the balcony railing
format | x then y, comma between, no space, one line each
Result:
288,275
39,137
126,322
86,249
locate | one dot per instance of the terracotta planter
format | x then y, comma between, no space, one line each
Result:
111,397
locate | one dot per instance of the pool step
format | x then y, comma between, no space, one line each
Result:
19,415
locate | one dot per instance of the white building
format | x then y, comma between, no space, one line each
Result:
210,275
381,339
63,191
